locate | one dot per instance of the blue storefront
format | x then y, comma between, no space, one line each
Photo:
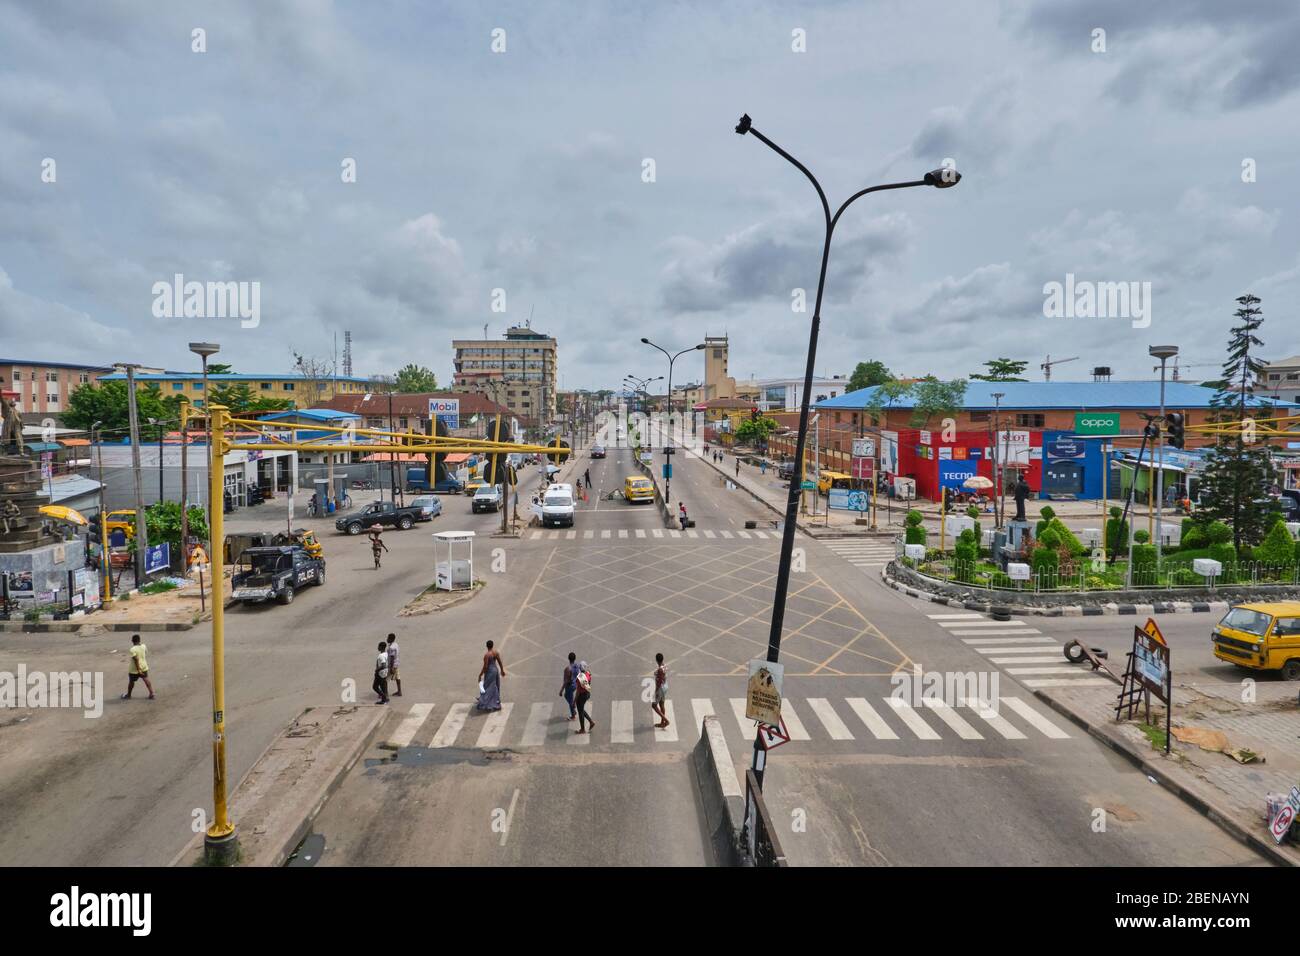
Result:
1072,466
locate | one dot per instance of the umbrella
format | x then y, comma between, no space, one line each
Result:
977,481
64,513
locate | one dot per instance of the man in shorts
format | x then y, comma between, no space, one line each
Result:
139,668
661,692
393,661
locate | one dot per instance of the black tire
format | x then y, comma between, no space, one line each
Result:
285,596
320,577
1291,669
404,522
1073,652
1000,612
354,528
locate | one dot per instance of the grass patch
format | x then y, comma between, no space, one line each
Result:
158,587
1154,734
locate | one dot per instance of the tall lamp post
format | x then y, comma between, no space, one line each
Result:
1164,353
203,350
668,462
941,179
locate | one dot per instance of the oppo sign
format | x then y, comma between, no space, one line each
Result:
1096,423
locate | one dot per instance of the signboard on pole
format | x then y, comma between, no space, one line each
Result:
864,468
771,737
1096,423
1285,816
844,499
763,692
1151,663
864,448
157,557
445,410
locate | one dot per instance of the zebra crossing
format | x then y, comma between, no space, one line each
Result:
1035,659
866,553
629,534
814,720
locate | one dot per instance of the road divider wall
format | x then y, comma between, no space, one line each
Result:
721,799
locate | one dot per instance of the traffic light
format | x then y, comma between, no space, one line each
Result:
1151,431
1175,423
96,527
562,451
495,471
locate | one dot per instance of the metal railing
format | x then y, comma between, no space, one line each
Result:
767,847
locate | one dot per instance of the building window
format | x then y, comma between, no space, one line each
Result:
51,376
18,376
197,386
287,386
979,416
1029,419
52,398
177,386
1274,377
198,402
266,386
84,378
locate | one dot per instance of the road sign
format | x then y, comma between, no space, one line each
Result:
763,691
864,468
771,737
808,485
842,499
668,471
157,557
669,450
1152,629
1151,663
1285,816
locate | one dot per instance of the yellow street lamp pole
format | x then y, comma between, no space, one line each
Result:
221,844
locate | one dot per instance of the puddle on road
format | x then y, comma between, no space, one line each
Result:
439,757
308,852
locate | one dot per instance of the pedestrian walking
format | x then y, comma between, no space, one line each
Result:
138,668
681,514
394,659
737,467
380,683
661,692
569,685
377,546
762,466
582,696
586,476
489,680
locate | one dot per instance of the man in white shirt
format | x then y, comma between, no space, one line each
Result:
380,686
394,658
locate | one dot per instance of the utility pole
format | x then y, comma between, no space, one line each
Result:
1164,353
141,525
105,561
185,477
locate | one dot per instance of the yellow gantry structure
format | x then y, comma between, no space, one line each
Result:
348,438
1253,429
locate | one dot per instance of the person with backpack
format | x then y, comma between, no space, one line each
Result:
380,684
661,692
569,685
582,696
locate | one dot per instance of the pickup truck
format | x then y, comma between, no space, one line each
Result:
417,480
382,513
486,498
276,572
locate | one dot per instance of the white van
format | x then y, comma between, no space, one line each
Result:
557,506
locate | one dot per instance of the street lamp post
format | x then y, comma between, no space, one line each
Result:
668,463
1164,353
203,350
941,178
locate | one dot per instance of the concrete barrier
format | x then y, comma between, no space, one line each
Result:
721,797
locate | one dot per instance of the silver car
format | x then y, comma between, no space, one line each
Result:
430,506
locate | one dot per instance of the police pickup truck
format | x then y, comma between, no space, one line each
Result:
382,513
275,572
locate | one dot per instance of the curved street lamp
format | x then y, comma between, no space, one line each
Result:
667,454
939,179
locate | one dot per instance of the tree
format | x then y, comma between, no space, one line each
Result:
240,399
1238,473
1001,370
932,397
883,397
316,374
107,402
416,378
868,374
755,431
219,368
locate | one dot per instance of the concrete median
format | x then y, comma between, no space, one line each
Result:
721,798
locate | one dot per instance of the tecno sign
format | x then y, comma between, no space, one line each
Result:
1096,423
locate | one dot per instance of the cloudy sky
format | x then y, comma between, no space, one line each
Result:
525,170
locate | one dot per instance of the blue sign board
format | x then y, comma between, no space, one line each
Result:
953,472
668,470
845,499
157,557
1066,448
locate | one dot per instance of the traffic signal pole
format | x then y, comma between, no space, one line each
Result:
221,842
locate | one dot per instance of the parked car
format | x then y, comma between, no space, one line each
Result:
557,506
417,479
383,513
1263,636
786,470
430,506
597,451
487,498
274,573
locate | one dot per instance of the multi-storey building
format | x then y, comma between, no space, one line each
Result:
303,391
45,387
1280,381
518,371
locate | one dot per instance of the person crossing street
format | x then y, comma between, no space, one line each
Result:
377,545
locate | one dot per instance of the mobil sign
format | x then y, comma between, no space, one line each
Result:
445,410
953,472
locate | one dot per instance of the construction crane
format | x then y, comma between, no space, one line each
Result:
1047,366
1174,376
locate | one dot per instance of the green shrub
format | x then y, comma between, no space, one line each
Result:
1000,579
1067,537
1116,532
1141,537
914,518
1225,554
1049,539
1041,526
1144,563
914,534
965,554
1184,577
972,511
1046,563
1278,548
1218,533
1193,538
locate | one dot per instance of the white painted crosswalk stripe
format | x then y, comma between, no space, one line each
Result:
1044,639
954,617
451,725
701,707
588,533
674,533
1006,631
792,722
405,731
760,534
1014,649
692,533
708,533
995,720
1055,659
1056,682
874,722
910,717
830,720
657,532
539,719
953,719
620,722
1030,671
743,534
1035,719
727,534
738,708
604,533
667,734
570,535
984,624
640,532
494,727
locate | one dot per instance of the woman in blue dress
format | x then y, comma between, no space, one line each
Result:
490,680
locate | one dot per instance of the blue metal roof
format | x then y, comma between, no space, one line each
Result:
233,377
1074,396
315,414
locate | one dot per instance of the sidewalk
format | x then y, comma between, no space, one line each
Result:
1205,776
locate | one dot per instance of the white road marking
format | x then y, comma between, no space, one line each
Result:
994,719
1013,649
1009,640
792,721
604,533
727,534
1085,682
494,727
708,533
743,534
1004,630
1016,624
510,815
622,532
701,707
570,535
588,533
539,718
669,734
405,731
640,532
620,722
1034,718
912,718
830,720
451,726
760,534
955,617
1043,670
692,533
953,719
674,533
875,723
1054,659
657,532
